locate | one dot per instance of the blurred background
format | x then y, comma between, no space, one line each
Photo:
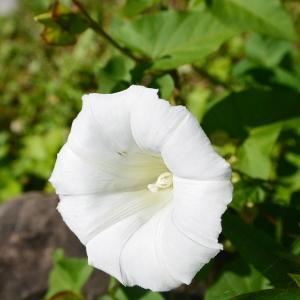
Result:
235,64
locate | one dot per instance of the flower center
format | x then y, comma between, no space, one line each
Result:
164,181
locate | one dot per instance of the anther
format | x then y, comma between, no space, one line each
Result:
164,181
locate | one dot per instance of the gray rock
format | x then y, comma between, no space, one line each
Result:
30,230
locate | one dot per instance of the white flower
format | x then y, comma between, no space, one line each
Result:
141,186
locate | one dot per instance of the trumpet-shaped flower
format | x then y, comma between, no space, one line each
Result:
142,188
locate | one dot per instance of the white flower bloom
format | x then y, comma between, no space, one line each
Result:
142,188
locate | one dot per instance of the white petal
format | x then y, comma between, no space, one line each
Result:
153,121
188,153
89,215
175,244
105,249
183,256
191,230
74,174
141,260
198,207
101,154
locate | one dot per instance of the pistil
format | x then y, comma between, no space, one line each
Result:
164,181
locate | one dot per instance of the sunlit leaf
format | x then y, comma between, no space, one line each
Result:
296,278
133,7
235,279
267,17
68,274
254,155
171,38
165,85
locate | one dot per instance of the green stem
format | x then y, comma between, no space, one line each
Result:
98,29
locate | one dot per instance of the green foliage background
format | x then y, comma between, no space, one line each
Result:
234,63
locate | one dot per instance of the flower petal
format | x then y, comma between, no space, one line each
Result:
188,154
198,207
101,155
105,249
76,175
141,260
89,215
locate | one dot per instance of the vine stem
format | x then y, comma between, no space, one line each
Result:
98,29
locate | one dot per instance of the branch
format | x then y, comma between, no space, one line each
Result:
97,28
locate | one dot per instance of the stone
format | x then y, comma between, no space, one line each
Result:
30,230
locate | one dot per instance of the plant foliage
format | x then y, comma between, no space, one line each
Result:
234,63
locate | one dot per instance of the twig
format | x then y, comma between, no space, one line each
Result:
97,28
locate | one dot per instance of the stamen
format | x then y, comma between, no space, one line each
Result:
164,181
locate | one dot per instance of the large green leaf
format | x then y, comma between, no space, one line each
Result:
236,278
68,274
267,17
258,249
254,156
240,111
172,38
273,294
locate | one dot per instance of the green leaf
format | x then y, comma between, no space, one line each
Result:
236,278
258,249
62,24
45,19
247,194
66,296
196,101
267,17
296,278
152,296
166,85
134,7
172,38
69,19
106,297
116,71
141,294
254,155
58,37
266,51
238,112
272,294
67,274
